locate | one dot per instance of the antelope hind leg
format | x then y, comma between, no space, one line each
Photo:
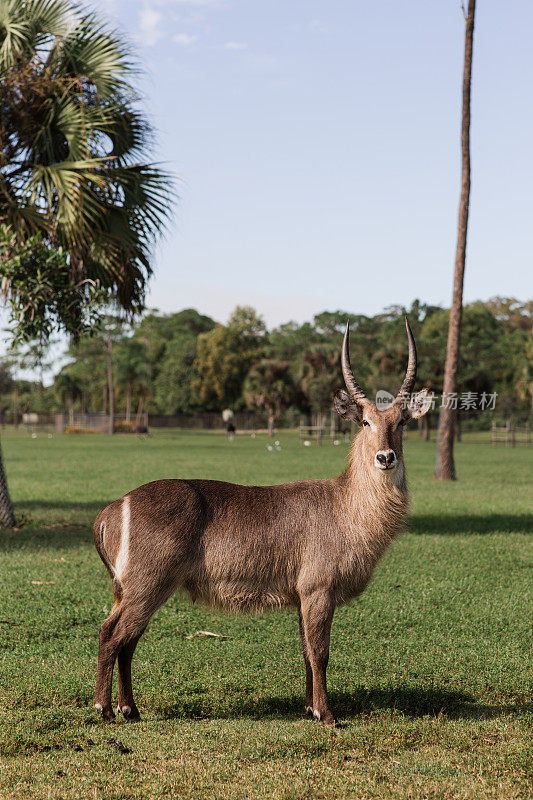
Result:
126,703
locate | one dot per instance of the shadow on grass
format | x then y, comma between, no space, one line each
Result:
408,702
470,523
57,533
56,536
54,504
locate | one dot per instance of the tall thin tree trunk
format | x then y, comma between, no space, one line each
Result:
140,409
7,515
128,402
110,387
445,467
16,405
104,399
271,419
71,412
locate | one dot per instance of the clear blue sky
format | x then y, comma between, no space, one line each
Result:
317,148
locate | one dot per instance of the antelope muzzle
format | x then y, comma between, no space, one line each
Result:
385,459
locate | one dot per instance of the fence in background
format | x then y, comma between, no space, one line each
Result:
315,427
96,422
323,425
243,420
511,435
328,425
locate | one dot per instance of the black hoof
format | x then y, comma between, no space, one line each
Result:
108,714
327,719
130,713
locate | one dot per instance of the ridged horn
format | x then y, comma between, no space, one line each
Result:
412,364
351,384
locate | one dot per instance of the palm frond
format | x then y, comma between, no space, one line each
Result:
74,144
92,51
26,26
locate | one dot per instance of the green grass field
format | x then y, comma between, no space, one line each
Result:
429,673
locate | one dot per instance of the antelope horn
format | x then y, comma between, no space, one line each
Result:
351,384
410,374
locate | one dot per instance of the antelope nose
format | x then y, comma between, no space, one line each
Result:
385,459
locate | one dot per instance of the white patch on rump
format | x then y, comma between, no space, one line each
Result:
122,558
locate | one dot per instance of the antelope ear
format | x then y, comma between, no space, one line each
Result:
420,403
346,407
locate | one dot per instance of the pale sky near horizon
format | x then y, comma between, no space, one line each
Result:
317,149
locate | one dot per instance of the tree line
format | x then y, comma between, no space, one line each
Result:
186,363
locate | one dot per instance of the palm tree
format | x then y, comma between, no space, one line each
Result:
73,145
269,385
133,369
445,469
74,149
67,389
524,381
318,375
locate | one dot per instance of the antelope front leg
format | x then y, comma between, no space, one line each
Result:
317,615
308,670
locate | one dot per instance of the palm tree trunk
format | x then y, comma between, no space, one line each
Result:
445,467
271,419
7,515
16,406
427,428
128,402
104,399
140,409
110,387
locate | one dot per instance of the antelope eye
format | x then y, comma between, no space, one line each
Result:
365,422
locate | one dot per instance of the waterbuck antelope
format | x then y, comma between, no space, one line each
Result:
311,544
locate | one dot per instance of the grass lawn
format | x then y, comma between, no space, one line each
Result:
430,668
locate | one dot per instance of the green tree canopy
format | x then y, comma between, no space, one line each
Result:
269,386
195,365
171,343
67,388
132,370
225,355
74,145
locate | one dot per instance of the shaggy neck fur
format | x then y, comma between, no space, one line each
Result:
376,500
